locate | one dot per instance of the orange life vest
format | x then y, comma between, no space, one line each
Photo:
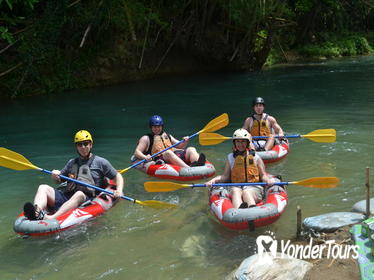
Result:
260,127
160,142
244,169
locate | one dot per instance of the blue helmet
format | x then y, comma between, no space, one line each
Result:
156,120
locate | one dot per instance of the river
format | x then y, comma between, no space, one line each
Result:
135,242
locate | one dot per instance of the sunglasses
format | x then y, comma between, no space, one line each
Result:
81,144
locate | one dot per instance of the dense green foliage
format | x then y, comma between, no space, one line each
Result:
343,46
54,45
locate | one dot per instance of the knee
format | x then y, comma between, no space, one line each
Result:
235,191
80,196
44,188
167,153
251,192
191,150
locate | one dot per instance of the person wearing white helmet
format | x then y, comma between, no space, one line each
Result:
88,168
262,124
243,166
158,140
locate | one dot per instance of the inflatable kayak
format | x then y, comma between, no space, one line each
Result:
87,211
264,213
278,152
175,172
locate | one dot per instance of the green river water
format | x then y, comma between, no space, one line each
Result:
135,242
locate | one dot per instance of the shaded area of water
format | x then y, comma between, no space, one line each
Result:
135,242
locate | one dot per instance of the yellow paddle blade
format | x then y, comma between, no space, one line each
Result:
318,182
206,139
123,170
217,123
322,135
155,204
163,186
15,161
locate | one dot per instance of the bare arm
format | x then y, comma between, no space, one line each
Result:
247,124
263,176
120,183
224,178
274,124
181,145
142,147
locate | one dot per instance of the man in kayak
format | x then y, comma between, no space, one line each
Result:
88,168
262,124
243,166
159,140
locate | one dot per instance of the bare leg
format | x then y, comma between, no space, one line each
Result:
249,196
236,197
77,199
171,157
191,154
270,143
45,196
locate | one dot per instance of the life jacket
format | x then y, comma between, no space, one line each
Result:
243,168
158,143
82,173
260,127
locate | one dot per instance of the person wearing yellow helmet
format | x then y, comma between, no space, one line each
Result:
243,166
262,124
82,135
88,168
157,140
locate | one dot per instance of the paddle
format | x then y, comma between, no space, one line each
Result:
316,182
215,124
15,161
319,135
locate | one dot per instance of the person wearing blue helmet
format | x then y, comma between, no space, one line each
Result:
158,140
262,124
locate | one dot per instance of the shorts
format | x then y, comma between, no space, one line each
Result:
181,154
60,198
258,190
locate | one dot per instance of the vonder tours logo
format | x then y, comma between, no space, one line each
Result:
267,248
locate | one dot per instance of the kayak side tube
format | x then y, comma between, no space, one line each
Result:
264,213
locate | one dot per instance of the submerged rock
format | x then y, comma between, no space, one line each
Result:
258,267
193,248
361,206
330,222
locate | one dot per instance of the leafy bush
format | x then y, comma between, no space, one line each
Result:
348,45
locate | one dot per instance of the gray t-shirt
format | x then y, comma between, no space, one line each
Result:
100,168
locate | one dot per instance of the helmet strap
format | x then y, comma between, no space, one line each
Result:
244,153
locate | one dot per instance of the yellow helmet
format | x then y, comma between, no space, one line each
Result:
241,133
82,135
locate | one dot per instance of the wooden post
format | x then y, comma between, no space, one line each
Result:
367,192
298,230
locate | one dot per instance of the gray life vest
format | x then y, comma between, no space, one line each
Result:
82,173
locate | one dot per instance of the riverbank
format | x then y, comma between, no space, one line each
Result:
333,269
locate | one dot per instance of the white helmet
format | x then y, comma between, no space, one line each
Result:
241,133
